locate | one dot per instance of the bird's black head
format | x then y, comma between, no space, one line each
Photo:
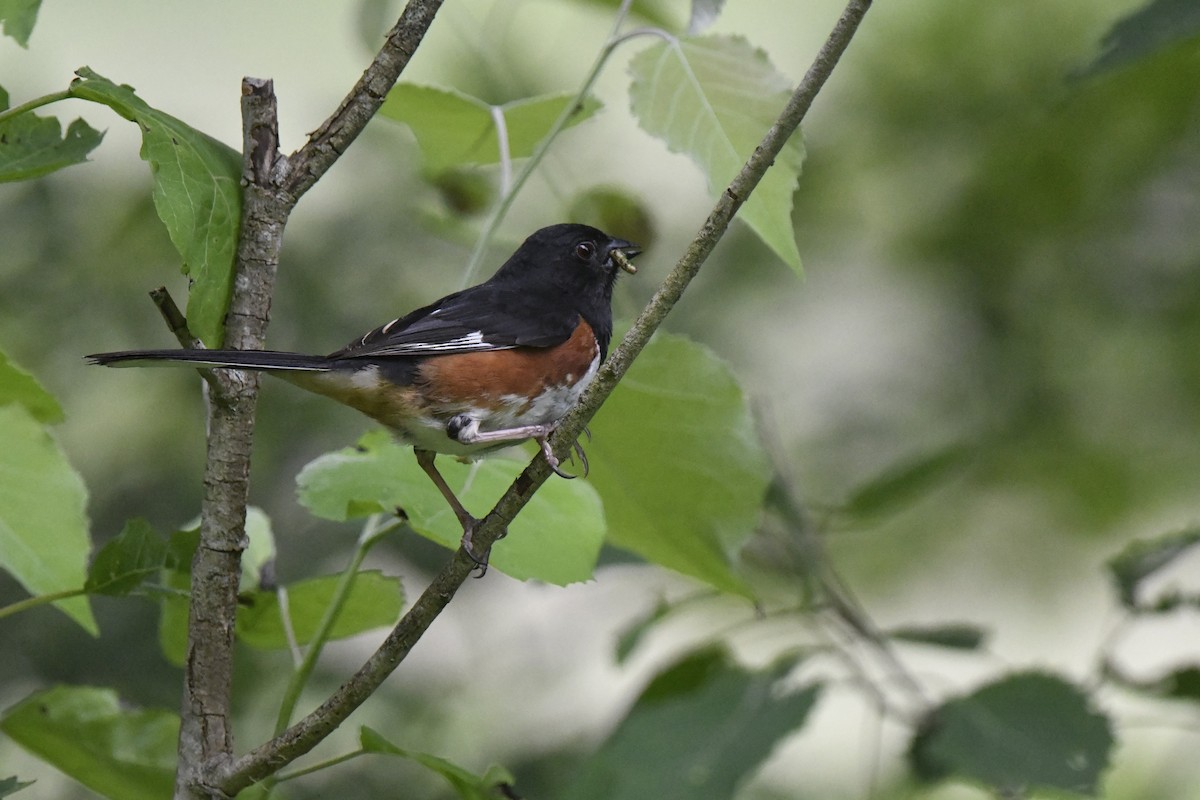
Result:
572,257
573,267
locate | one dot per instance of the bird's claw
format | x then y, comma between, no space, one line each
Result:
554,463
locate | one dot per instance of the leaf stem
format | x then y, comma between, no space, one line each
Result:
509,196
38,600
37,102
373,531
326,764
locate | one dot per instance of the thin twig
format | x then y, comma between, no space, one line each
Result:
305,734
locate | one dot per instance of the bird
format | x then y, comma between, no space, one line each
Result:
483,368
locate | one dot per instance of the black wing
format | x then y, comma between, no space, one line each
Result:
481,318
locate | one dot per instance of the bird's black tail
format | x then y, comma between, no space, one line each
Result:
267,360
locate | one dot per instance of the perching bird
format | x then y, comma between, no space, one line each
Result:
487,367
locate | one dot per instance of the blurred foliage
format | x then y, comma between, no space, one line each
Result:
986,385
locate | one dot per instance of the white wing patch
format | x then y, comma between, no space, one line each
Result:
466,343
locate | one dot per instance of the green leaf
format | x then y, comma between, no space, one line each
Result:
697,732
18,17
454,129
44,541
714,98
1025,731
556,538
952,636
1142,558
135,555
903,483
32,146
84,732
678,462
11,785
18,386
465,783
197,193
375,601
1158,25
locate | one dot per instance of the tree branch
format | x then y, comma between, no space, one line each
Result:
205,733
305,734
329,141
272,185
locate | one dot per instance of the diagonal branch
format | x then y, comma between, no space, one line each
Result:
308,732
328,142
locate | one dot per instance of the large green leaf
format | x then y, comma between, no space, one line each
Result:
697,731
556,538
31,146
18,17
466,784
678,462
197,193
714,98
85,732
18,386
375,601
454,129
1025,731
44,539
1155,27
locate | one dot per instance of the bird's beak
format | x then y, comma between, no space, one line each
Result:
621,251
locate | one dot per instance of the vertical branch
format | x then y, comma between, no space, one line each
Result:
205,735
272,184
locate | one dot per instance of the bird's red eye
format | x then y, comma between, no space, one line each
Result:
584,251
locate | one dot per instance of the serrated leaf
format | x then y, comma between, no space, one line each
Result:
85,732
375,601
678,462
10,785
197,194
454,129
1141,559
18,18
1025,731
905,482
465,783
32,146
1151,29
18,386
951,636
134,556
697,731
44,540
713,98
556,538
